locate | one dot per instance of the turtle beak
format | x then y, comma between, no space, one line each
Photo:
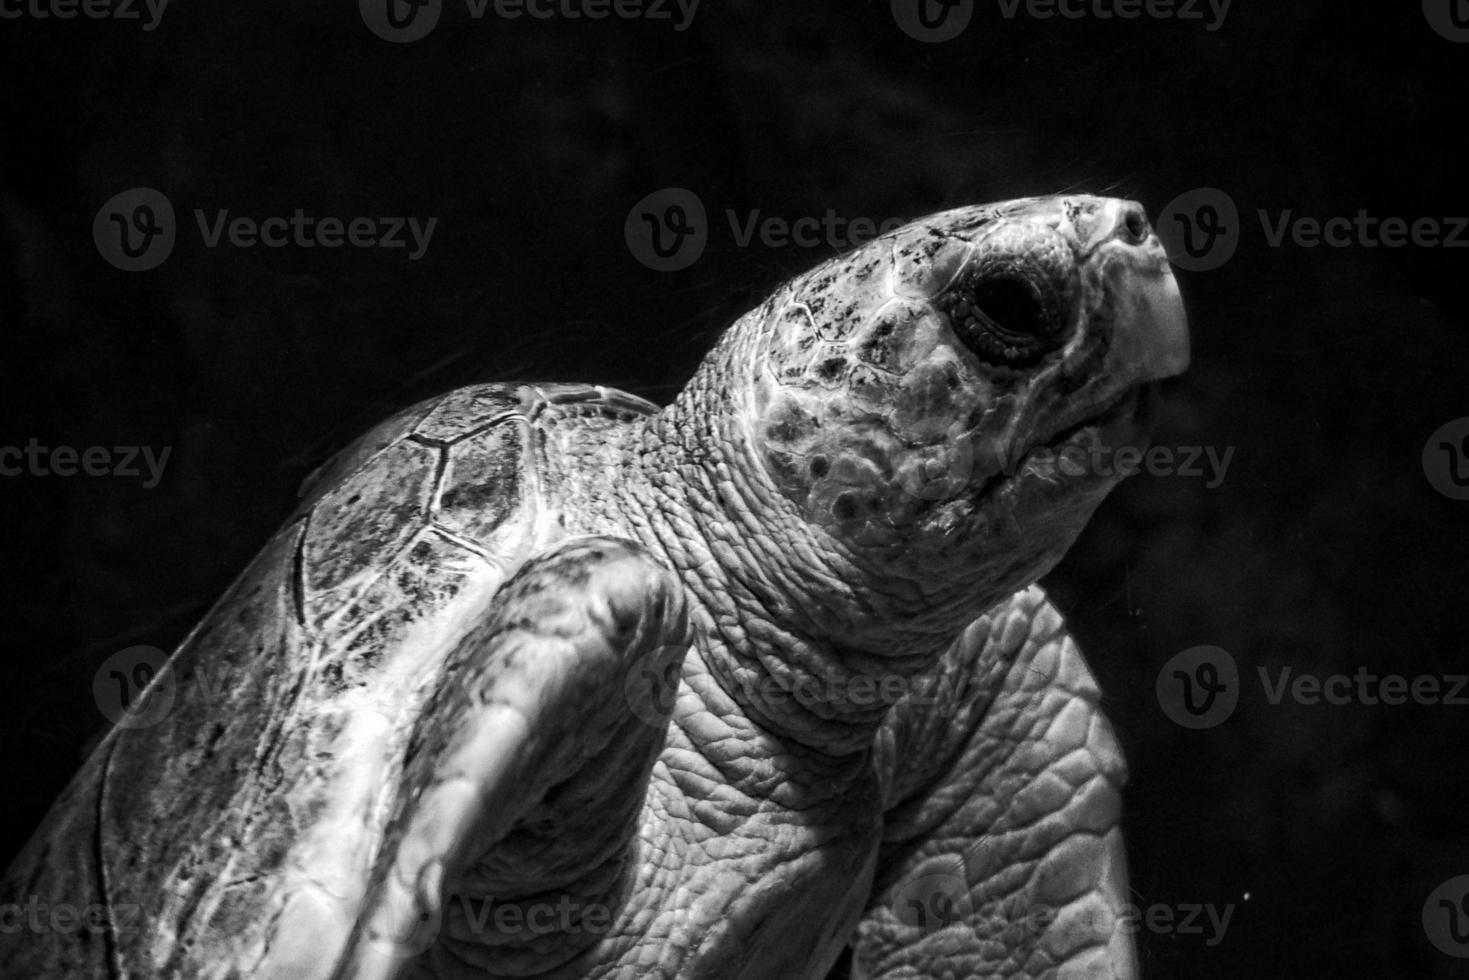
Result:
1151,330
1159,327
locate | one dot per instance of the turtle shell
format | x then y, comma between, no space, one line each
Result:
267,750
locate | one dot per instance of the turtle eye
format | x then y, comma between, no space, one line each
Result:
1003,320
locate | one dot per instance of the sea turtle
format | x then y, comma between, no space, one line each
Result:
543,680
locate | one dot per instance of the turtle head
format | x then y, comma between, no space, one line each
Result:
946,401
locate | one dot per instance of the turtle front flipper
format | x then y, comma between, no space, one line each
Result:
1002,853
524,778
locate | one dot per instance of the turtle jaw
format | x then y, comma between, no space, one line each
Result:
1136,308
1026,515
1151,337
1131,333
1124,421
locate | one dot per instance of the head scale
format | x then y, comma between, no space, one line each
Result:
940,396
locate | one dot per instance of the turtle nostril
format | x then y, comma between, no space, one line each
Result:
1135,227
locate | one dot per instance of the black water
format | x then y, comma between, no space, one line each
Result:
1323,548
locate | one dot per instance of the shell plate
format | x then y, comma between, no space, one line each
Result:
332,636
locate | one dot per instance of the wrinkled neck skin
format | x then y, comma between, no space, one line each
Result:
786,607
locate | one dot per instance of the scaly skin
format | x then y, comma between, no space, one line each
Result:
728,686
790,589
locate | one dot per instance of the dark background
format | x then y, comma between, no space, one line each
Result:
1325,549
